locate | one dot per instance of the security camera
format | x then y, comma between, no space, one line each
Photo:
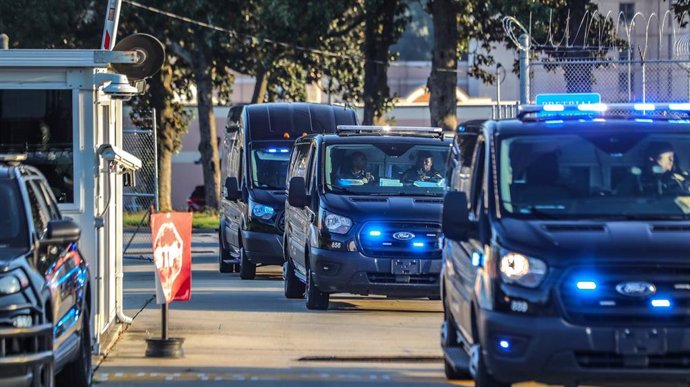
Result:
116,86
124,160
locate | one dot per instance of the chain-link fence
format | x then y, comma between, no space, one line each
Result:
142,144
615,80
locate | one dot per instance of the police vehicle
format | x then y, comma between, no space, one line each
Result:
566,248
44,285
363,213
257,149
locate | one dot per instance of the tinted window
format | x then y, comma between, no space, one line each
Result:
270,165
14,233
299,166
39,123
607,173
38,212
386,169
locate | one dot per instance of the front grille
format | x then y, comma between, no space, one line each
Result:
377,240
614,360
383,278
607,306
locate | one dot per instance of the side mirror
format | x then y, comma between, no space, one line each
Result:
62,231
297,193
455,221
231,189
232,127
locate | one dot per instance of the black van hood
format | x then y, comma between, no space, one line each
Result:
274,198
387,208
591,242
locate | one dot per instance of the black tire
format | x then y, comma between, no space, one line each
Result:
224,255
78,372
449,339
293,287
247,269
316,299
483,378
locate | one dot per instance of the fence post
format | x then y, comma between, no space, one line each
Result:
155,163
524,41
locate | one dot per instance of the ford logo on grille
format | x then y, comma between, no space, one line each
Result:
403,235
636,289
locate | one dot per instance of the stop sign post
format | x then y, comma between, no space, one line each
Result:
172,241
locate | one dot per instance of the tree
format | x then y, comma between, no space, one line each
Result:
444,63
385,21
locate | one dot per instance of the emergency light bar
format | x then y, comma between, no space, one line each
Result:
551,111
387,130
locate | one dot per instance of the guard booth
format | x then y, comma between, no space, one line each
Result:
63,108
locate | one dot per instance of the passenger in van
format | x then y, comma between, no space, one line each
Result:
423,171
358,169
662,175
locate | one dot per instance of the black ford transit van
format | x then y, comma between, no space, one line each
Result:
257,150
363,214
566,249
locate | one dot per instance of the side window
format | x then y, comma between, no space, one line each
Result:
312,160
299,166
49,200
38,210
477,178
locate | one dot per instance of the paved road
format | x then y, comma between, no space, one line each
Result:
246,331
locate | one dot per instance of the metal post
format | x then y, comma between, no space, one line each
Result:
498,90
164,322
524,41
644,83
155,163
4,42
630,74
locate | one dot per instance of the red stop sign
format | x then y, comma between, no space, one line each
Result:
172,254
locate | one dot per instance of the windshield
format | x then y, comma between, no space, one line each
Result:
12,217
270,165
386,168
608,175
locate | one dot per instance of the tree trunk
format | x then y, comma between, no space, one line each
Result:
444,63
260,86
208,144
379,35
161,96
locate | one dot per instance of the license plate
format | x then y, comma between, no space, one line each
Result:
406,266
641,341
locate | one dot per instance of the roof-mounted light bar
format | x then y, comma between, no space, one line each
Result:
550,111
389,130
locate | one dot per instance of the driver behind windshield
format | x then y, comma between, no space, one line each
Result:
423,171
358,169
661,174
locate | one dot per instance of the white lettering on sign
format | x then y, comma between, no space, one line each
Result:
167,255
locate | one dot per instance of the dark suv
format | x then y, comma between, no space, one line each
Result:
566,248
363,214
44,285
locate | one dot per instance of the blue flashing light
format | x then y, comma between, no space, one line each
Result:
599,120
554,122
644,107
679,121
375,233
272,150
418,244
661,303
586,285
592,107
284,150
504,344
554,108
679,106
644,120
476,259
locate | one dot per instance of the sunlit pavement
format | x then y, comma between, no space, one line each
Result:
247,332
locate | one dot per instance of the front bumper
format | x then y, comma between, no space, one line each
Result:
552,351
25,353
263,247
353,272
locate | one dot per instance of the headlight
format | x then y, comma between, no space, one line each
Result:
262,212
518,269
336,224
13,282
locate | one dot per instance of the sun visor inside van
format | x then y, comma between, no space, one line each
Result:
272,121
